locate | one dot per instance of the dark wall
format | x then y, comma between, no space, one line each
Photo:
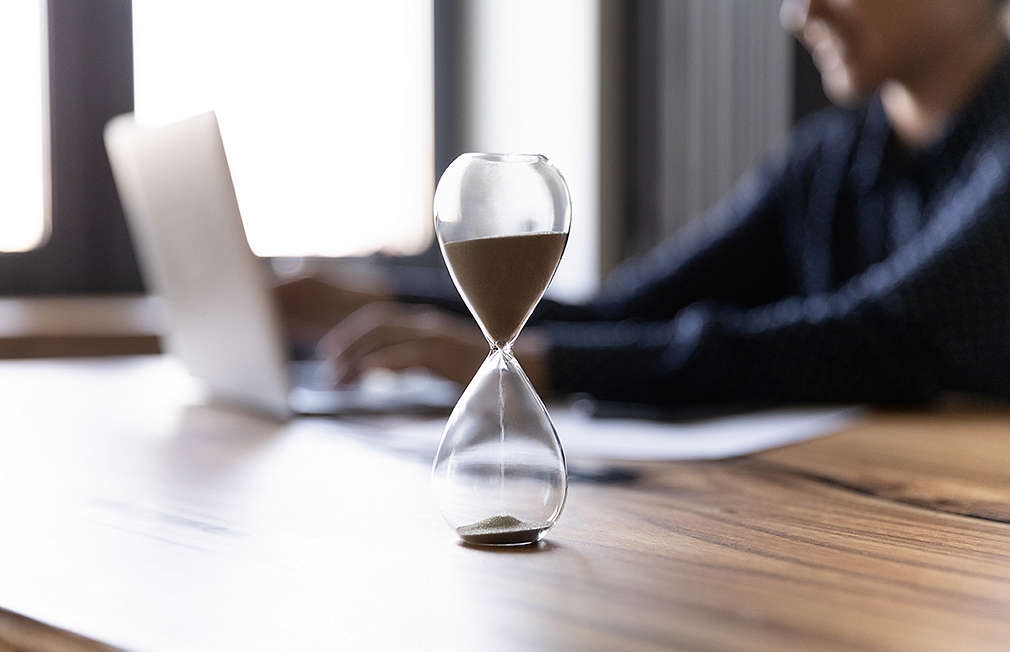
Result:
90,80
808,95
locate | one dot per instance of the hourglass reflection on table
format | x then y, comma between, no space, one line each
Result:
502,222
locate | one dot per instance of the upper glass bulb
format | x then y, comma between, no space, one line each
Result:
502,222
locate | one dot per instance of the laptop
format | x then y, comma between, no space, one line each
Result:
177,194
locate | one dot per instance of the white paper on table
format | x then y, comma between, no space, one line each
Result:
584,437
715,438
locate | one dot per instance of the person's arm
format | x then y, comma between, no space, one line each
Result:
733,254
741,234
934,316
430,286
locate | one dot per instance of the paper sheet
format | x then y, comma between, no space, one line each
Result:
584,437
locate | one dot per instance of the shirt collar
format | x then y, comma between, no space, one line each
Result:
976,120
871,146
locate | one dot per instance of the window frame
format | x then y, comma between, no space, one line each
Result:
90,79
89,49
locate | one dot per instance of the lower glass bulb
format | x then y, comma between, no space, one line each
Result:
499,474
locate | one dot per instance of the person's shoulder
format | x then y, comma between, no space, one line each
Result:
984,171
828,129
992,142
822,138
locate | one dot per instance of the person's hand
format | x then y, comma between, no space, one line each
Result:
310,306
396,337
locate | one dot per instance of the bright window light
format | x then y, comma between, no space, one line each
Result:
326,112
24,208
534,86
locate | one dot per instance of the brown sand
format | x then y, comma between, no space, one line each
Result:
503,277
502,530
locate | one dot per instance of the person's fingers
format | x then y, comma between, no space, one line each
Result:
323,302
349,330
395,357
374,328
444,355
398,337
347,365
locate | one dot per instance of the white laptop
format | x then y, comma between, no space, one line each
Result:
177,194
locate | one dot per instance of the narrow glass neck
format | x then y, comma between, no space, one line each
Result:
505,350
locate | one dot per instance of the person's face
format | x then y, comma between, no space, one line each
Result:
859,44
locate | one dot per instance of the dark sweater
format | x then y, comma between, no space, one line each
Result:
851,270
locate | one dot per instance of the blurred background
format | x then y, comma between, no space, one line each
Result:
338,117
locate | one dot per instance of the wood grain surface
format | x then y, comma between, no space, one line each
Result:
136,517
20,633
956,459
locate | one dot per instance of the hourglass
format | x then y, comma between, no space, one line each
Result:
502,222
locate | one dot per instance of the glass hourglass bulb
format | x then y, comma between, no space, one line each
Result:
502,222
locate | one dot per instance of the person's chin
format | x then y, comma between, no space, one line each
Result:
844,90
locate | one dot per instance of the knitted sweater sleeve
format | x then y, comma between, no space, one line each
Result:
934,315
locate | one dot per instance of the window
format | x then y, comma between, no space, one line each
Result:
82,79
24,216
534,86
325,108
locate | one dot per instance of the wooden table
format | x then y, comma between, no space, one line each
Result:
132,516
89,325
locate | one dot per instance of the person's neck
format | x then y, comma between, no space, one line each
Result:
919,106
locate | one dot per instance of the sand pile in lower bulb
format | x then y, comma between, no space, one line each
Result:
501,530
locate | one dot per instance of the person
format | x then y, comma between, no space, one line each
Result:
870,264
